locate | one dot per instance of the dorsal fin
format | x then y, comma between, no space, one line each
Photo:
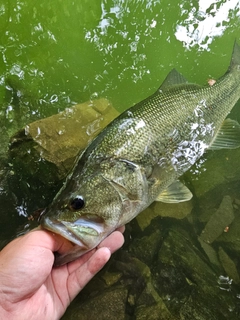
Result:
235,61
173,78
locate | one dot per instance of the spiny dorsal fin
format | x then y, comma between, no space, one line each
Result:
173,78
228,136
235,61
176,192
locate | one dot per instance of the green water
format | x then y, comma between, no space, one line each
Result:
61,52
57,53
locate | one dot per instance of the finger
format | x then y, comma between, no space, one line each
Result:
74,265
80,277
121,229
62,245
43,239
113,242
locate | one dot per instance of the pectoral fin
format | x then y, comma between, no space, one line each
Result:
176,192
228,136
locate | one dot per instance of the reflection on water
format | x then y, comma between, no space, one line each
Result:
203,23
59,53
119,34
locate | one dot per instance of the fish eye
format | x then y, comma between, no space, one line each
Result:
77,203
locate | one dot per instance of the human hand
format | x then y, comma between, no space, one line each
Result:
30,288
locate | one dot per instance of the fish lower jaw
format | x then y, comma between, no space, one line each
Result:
61,229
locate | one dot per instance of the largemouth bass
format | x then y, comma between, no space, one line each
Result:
139,156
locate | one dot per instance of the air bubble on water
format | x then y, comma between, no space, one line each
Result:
94,96
54,98
225,283
224,280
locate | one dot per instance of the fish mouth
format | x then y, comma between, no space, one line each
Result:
62,228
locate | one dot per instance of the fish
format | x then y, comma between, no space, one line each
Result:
140,156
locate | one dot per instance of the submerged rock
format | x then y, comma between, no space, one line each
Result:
228,265
160,209
219,168
189,283
57,140
211,253
146,247
110,278
109,305
157,311
179,251
221,219
231,238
